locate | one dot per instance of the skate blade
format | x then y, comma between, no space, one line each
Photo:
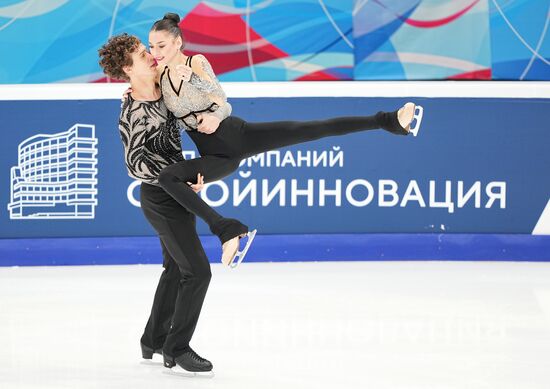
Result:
418,114
151,362
177,371
157,360
239,257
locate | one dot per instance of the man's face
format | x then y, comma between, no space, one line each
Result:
144,65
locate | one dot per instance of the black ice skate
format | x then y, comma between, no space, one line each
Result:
190,362
147,354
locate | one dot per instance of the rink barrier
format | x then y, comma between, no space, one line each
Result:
285,248
503,159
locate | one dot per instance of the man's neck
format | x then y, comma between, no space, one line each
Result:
145,89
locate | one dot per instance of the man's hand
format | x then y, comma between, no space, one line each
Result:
208,124
199,185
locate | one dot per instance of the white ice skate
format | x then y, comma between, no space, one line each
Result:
410,117
418,113
236,259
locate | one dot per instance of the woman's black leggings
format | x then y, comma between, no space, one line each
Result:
236,139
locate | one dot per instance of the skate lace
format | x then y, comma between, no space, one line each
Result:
196,357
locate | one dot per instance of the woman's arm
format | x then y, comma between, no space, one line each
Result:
210,84
202,68
203,82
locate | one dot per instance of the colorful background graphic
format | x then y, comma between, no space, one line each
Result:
278,40
245,40
520,40
414,39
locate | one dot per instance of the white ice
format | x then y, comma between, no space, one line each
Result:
398,325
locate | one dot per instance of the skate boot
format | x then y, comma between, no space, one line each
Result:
400,122
230,232
147,352
232,255
189,361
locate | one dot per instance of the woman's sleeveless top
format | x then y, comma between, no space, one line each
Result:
187,99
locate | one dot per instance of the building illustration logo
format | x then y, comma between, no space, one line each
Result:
56,176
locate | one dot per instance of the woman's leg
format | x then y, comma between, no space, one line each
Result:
260,137
173,179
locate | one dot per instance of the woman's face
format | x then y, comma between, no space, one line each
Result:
164,46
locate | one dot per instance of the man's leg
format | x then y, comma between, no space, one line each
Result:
160,320
177,230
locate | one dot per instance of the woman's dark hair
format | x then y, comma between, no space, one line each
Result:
170,24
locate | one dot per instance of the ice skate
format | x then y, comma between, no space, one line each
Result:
151,356
188,365
232,256
407,115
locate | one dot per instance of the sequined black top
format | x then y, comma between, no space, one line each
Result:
187,99
151,138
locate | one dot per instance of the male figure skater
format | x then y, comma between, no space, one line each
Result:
151,142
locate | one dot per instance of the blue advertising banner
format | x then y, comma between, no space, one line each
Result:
478,165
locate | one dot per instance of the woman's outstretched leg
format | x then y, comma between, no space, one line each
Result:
261,137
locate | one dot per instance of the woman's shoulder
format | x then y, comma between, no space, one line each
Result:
199,60
201,66
199,57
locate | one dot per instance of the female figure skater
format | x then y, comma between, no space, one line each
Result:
193,94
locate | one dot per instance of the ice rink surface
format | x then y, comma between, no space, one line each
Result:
398,325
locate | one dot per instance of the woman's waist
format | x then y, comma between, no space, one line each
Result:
225,141
182,107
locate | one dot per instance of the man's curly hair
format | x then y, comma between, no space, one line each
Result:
116,54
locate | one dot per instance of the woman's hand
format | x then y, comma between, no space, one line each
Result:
126,93
184,72
199,185
208,124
